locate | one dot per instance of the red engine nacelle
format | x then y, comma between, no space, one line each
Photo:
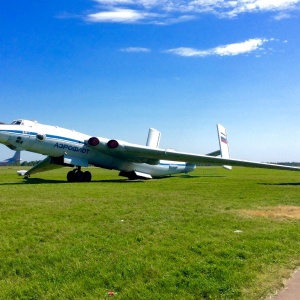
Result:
112,144
93,141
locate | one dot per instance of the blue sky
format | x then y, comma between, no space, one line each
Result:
116,68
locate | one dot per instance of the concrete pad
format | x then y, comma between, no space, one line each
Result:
291,290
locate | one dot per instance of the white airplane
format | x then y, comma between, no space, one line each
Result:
65,147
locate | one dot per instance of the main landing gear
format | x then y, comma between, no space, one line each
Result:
77,175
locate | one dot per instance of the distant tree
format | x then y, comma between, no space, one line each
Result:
30,163
294,164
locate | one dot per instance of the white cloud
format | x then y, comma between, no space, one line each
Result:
248,6
183,51
135,49
282,15
168,12
239,48
117,16
224,50
114,2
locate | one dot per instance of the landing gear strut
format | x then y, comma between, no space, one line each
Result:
77,175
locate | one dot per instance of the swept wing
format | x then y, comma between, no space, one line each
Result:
141,154
49,163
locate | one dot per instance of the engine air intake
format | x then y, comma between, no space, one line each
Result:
112,144
93,141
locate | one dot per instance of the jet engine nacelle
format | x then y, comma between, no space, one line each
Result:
93,141
112,144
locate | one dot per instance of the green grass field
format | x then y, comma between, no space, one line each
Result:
215,234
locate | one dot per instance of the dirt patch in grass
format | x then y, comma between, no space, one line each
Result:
280,212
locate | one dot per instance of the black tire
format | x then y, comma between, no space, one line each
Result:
71,176
79,176
87,176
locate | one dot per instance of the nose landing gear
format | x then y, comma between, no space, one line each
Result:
77,175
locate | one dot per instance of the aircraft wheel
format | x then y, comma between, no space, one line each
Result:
87,176
79,176
71,177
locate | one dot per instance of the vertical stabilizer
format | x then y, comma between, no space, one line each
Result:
17,157
153,138
13,160
223,141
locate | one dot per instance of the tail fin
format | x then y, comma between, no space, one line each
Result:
223,141
153,138
12,160
17,157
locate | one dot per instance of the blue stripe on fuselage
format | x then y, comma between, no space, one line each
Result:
31,133
172,164
12,131
63,138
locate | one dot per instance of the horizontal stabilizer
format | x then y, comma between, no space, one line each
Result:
215,153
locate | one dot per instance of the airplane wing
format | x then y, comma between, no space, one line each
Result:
49,163
142,154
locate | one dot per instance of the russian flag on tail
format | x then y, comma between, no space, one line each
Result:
224,139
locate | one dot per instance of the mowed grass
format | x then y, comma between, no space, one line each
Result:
215,234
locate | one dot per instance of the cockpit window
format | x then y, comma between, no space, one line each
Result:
18,122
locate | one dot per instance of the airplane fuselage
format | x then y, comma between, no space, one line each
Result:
72,147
